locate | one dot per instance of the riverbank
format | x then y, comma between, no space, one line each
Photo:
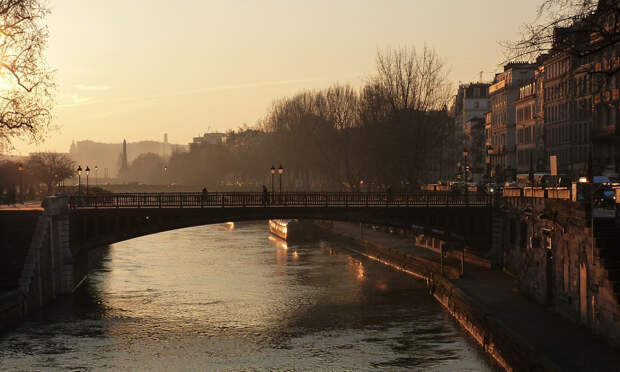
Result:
518,333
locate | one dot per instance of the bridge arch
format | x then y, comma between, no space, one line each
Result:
91,228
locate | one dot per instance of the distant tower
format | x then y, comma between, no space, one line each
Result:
124,156
165,152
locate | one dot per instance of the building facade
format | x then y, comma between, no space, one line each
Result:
503,93
471,103
529,141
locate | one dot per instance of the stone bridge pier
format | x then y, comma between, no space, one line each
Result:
62,266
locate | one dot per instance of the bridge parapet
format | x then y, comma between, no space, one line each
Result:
284,199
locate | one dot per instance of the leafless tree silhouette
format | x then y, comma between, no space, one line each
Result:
580,27
49,168
25,79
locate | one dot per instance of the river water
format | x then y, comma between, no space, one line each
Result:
230,297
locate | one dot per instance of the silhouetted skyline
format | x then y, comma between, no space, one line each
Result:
218,66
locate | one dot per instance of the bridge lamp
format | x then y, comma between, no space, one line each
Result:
20,169
87,173
280,172
96,181
273,171
79,172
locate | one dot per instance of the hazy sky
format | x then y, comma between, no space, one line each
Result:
137,69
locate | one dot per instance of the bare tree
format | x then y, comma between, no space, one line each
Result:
49,168
580,27
25,79
412,81
404,114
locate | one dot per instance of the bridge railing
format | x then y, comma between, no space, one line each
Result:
290,199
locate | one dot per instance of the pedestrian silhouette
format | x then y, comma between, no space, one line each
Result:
205,194
265,195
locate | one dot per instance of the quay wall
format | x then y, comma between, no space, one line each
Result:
48,268
506,348
565,261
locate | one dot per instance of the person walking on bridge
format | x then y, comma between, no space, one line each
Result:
205,194
265,195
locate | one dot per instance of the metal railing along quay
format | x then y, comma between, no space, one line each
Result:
284,199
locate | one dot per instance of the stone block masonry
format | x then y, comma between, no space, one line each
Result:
518,333
566,265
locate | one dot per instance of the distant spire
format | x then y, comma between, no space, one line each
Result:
124,158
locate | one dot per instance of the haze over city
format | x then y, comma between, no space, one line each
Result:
139,69
322,186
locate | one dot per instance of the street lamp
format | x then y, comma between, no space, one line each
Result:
20,169
273,172
87,173
96,172
166,175
466,166
79,172
280,172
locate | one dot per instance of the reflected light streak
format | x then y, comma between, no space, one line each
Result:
228,226
277,242
382,286
357,268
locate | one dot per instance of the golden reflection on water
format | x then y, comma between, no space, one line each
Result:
281,249
278,243
205,299
227,226
357,268
382,286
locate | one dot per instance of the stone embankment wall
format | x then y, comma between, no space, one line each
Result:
511,352
49,268
564,263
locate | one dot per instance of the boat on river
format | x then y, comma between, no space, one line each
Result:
279,228
293,230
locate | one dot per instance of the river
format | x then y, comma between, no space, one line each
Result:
231,297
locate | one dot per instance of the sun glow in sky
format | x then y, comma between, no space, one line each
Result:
138,69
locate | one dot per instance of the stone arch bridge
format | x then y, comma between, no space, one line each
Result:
70,226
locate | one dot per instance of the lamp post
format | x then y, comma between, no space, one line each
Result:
87,173
280,172
466,166
79,172
20,169
166,175
273,172
96,174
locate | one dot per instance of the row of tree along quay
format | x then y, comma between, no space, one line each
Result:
394,130
40,174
